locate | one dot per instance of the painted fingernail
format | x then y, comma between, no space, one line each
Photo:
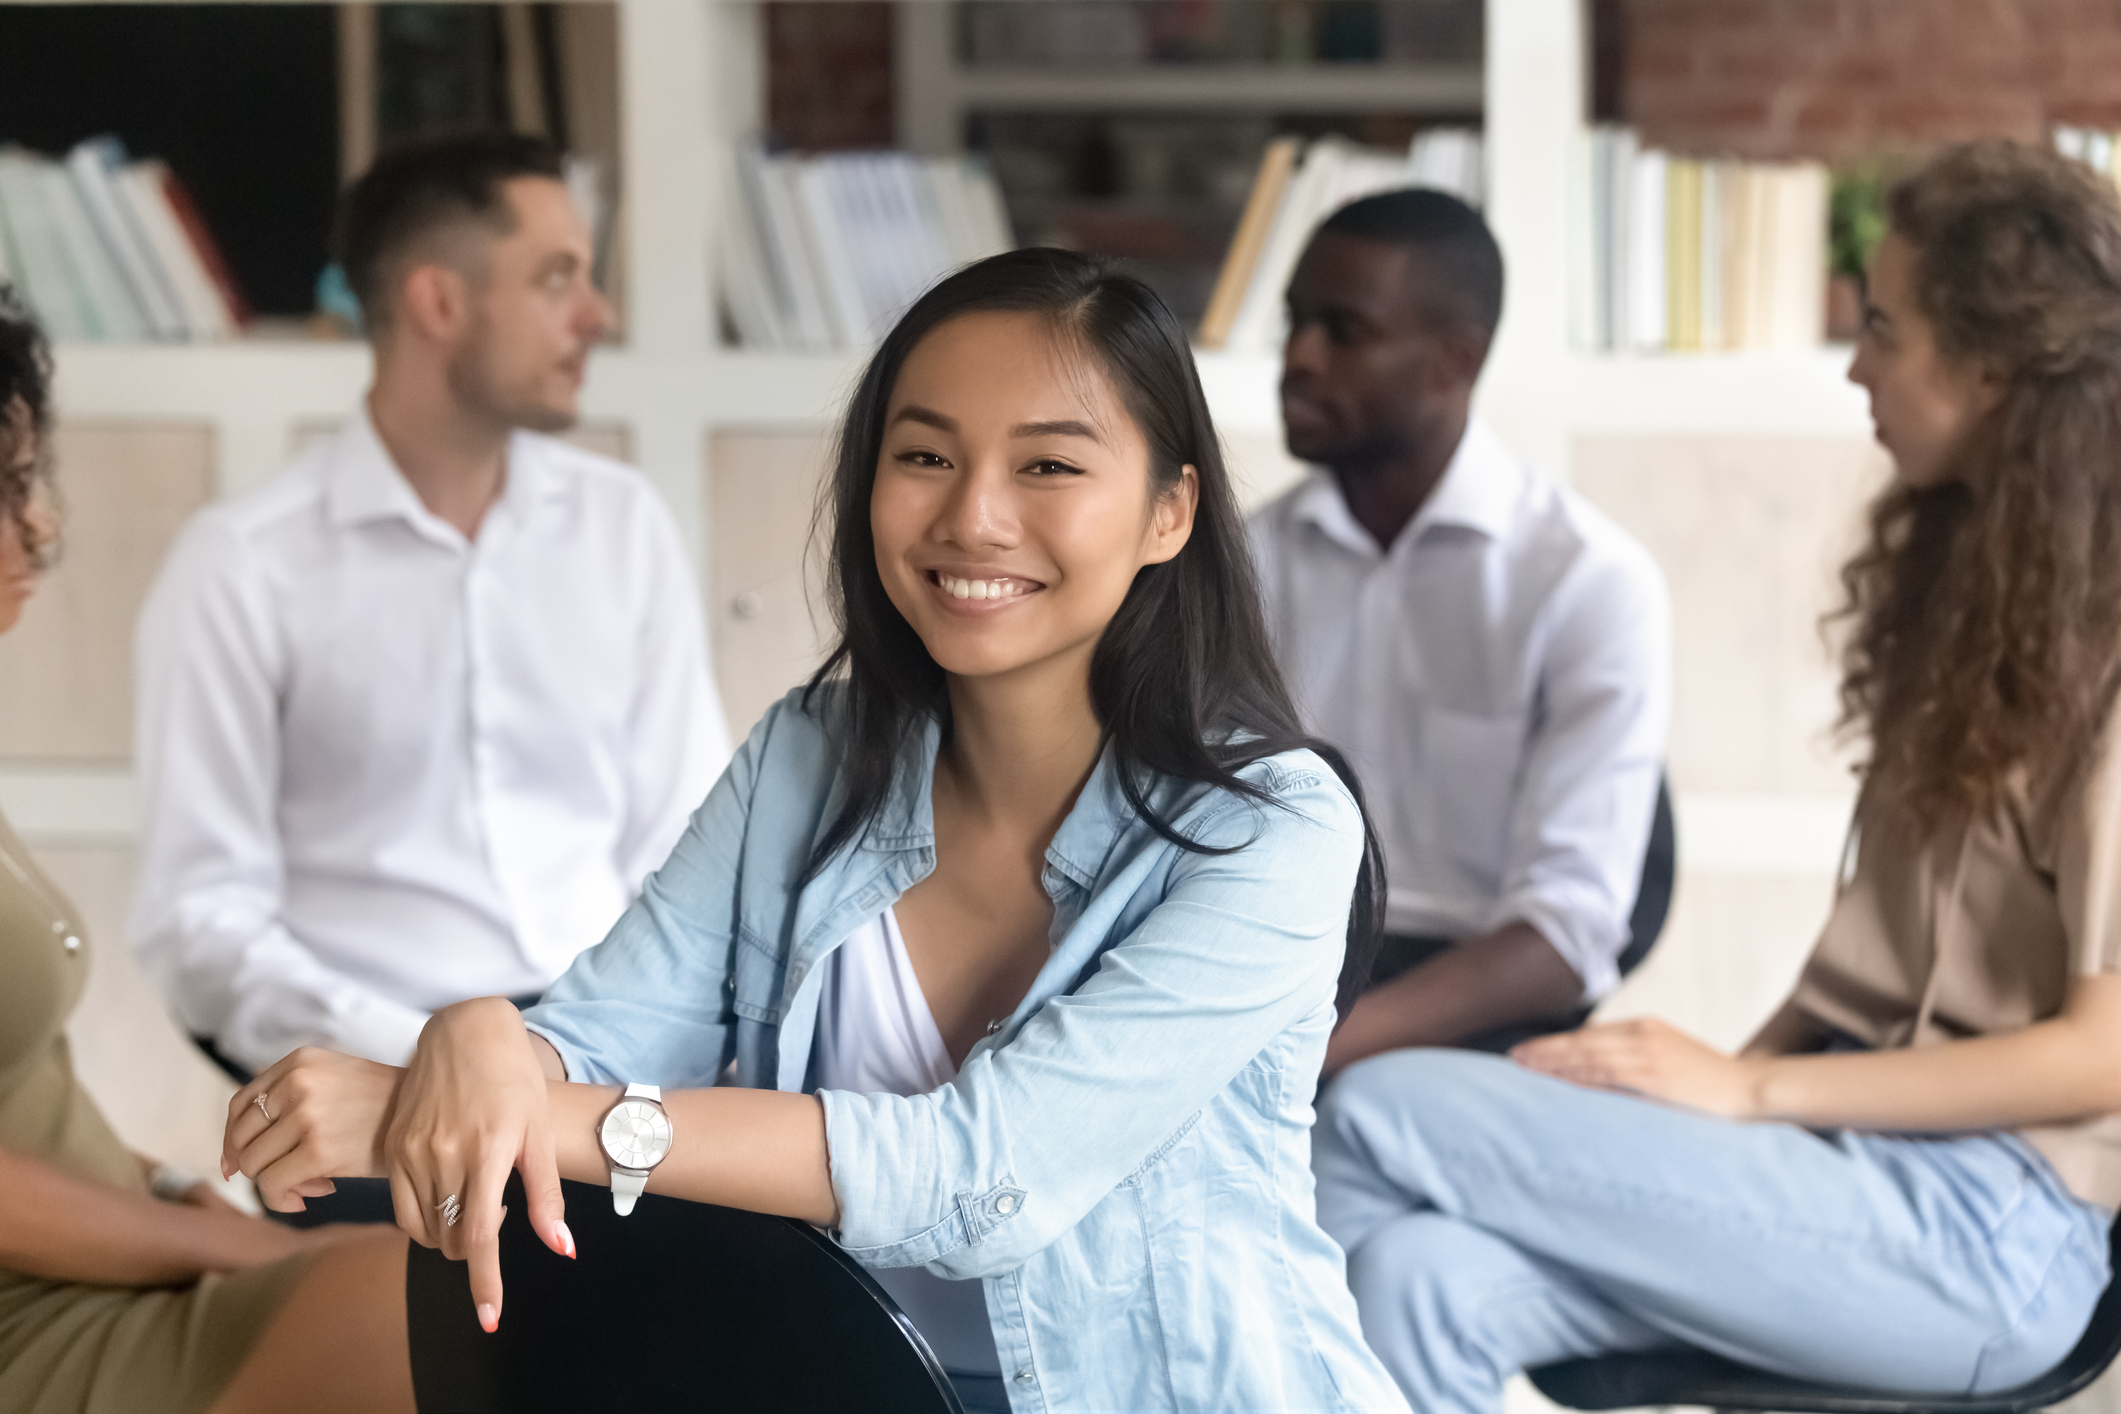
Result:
566,1238
489,1319
226,1172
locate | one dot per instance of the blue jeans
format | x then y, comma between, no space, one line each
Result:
1495,1219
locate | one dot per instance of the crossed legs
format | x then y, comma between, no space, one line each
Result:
1496,1219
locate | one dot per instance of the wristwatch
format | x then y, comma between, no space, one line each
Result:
636,1136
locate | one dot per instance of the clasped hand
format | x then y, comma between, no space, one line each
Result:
472,1106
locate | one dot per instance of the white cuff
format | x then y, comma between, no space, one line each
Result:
379,1029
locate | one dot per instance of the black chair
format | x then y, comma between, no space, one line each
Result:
1697,1377
1653,896
676,1306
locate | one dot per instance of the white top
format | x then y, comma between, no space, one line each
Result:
1501,680
384,768
876,1036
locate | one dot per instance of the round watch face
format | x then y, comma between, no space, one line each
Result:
636,1134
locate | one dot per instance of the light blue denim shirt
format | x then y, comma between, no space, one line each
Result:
1125,1162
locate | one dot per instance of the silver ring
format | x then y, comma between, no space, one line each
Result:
450,1210
259,1101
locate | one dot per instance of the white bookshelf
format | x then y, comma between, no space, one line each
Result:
691,76
935,90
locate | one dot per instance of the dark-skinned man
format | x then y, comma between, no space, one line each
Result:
1490,651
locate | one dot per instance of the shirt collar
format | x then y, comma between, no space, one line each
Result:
1480,486
366,483
906,820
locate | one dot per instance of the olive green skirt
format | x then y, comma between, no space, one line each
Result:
66,1348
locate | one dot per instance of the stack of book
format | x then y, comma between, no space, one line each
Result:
109,250
1673,253
827,251
1296,189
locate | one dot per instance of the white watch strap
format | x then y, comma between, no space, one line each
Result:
626,1185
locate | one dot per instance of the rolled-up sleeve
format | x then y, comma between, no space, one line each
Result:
976,1177
1588,793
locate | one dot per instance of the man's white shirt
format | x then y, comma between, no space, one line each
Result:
1500,679
384,768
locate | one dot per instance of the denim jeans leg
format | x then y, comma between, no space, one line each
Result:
1862,1260
1454,1311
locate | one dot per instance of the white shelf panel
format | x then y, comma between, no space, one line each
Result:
1798,392
1321,88
65,804
1724,833
241,379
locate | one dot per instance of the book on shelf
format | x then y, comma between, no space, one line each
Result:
1292,195
825,251
1675,253
104,249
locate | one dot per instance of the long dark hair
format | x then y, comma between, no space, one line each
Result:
1183,680
1987,608
25,420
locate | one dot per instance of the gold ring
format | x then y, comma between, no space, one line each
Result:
260,1103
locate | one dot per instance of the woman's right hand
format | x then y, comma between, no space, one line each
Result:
472,1106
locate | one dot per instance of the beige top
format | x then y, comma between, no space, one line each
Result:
1981,931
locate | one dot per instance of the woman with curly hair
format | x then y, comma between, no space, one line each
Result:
1907,1178
124,1287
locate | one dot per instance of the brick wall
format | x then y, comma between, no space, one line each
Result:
1842,78
828,74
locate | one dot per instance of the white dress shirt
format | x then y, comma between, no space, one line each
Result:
1501,680
384,768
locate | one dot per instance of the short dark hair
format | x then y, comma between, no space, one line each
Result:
422,184
25,381
1447,230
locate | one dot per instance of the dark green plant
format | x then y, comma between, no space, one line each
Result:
1856,219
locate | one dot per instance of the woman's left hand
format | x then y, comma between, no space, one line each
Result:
323,1117
1648,1057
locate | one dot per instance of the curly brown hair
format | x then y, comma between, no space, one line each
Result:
25,417
1986,609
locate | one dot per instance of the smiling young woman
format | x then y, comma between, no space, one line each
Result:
1907,1179
1020,928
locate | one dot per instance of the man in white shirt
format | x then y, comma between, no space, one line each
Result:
416,718
1491,652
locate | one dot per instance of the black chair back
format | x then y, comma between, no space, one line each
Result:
676,1306
1660,869
1697,1377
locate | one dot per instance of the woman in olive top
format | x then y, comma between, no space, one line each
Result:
114,1300
1908,1177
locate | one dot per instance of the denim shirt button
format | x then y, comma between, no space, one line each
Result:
1025,1377
1006,1204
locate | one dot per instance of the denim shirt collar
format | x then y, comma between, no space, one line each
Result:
897,851
906,820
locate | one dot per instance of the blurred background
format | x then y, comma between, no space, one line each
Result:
1683,190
